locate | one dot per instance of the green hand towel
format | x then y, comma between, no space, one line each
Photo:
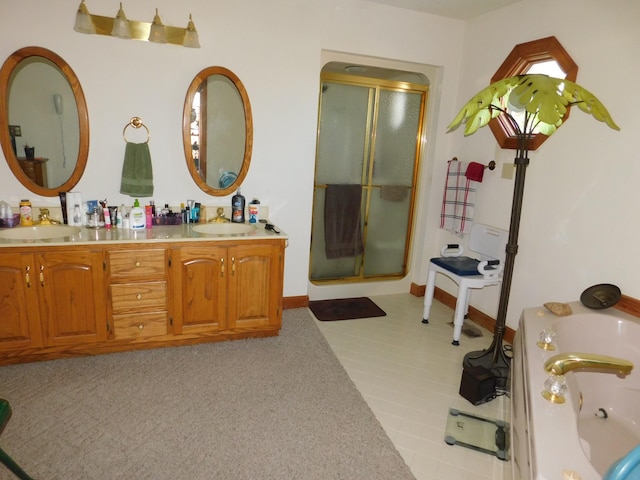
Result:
137,172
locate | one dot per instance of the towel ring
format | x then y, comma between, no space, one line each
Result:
135,122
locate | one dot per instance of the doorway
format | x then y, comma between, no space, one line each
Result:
370,128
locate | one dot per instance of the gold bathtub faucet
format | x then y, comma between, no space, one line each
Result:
556,386
566,362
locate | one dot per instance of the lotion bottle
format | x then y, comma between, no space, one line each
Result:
237,208
137,217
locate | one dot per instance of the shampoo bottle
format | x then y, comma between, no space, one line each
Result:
237,208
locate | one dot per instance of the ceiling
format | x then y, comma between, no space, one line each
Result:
460,9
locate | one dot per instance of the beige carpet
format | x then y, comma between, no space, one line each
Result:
275,408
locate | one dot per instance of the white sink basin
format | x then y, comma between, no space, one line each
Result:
38,232
224,228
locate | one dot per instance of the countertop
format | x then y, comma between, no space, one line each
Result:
158,233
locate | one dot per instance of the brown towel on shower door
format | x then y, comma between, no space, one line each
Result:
342,224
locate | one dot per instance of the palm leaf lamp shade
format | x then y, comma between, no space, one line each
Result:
543,102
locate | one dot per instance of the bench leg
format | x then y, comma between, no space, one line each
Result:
462,304
428,295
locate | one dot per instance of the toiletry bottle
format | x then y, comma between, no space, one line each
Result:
148,216
237,208
63,205
77,215
136,216
120,216
254,206
26,217
107,218
189,213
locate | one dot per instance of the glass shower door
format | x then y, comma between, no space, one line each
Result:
342,154
393,170
369,135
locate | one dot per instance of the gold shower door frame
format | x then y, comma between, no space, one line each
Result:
374,86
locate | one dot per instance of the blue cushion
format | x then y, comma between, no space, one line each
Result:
462,266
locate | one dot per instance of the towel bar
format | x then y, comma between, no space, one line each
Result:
491,165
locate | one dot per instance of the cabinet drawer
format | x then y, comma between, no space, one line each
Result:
138,297
142,325
137,264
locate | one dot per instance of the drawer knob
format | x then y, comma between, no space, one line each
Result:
140,327
138,263
139,296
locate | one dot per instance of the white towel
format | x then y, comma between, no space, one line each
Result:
458,199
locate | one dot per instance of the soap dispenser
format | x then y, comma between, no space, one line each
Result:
237,208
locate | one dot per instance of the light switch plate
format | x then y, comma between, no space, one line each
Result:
508,170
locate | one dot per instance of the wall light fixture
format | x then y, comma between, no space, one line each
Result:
122,27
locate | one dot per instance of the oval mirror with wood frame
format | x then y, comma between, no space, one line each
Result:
217,131
44,123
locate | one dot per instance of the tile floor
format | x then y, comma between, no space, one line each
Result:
409,374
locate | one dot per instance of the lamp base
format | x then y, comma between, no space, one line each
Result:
493,359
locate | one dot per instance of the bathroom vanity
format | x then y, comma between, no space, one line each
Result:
100,291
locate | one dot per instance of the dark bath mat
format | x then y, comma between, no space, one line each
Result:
345,309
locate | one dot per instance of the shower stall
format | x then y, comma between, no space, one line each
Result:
371,125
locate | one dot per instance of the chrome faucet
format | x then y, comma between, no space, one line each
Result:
566,362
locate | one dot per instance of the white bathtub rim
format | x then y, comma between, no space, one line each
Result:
553,427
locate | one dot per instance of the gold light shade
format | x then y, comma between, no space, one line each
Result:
157,33
84,24
191,35
121,27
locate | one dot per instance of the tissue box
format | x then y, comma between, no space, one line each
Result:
13,221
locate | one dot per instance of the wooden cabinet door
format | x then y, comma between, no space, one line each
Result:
72,297
254,289
199,285
19,319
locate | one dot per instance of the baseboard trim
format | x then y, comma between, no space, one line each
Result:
475,315
295,302
629,305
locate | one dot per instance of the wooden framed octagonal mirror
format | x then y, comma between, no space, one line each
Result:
545,55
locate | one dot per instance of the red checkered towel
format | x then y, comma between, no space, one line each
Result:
458,199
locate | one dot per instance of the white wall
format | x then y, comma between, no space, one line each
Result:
579,220
579,214
275,48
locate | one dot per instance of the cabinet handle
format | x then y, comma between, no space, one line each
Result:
233,265
222,267
140,327
27,277
138,296
42,275
138,263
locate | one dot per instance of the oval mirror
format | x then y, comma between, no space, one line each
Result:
44,124
217,131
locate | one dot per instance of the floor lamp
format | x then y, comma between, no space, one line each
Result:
544,102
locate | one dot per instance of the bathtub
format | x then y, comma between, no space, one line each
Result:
599,421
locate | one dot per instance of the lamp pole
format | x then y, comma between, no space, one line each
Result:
494,358
545,101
